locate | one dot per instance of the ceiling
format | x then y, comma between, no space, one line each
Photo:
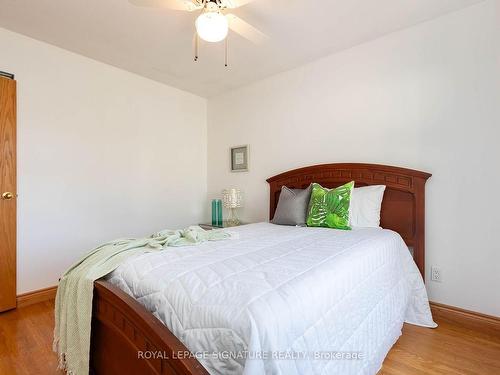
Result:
157,43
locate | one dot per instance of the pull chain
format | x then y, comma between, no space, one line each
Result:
225,51
195,46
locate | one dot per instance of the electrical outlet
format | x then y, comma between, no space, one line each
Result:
436,274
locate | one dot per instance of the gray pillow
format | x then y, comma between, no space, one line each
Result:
292,206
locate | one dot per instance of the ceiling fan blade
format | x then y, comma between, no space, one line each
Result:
246,30
231,4
187,5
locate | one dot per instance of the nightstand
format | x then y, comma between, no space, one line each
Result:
224,225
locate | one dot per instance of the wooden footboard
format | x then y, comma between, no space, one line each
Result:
128,339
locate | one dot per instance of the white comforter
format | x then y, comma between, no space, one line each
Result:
284,300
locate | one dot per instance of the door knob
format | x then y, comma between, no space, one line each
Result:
7,195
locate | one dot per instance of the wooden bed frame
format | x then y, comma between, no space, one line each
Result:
128,339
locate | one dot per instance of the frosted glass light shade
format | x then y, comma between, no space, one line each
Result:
212,26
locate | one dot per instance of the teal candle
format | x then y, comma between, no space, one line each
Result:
214,212
219,213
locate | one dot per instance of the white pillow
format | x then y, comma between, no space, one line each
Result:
364,209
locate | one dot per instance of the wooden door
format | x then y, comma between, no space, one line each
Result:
7,194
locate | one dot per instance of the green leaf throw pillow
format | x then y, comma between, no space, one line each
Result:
330,207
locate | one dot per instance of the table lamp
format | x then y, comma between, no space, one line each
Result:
232,199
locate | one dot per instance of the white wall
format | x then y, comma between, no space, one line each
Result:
102,154
427,97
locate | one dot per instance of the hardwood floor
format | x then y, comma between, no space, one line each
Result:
448,349
26,347
26,340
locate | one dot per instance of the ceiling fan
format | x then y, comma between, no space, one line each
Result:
213,23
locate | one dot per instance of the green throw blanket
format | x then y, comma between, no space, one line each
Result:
73,306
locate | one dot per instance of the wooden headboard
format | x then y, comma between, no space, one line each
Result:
403,207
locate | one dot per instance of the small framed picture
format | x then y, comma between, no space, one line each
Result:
239,159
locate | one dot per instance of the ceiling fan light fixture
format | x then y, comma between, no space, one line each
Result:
212,26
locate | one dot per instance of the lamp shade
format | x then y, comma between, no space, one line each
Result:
212,26
232,198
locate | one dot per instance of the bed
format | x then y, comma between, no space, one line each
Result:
276,299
